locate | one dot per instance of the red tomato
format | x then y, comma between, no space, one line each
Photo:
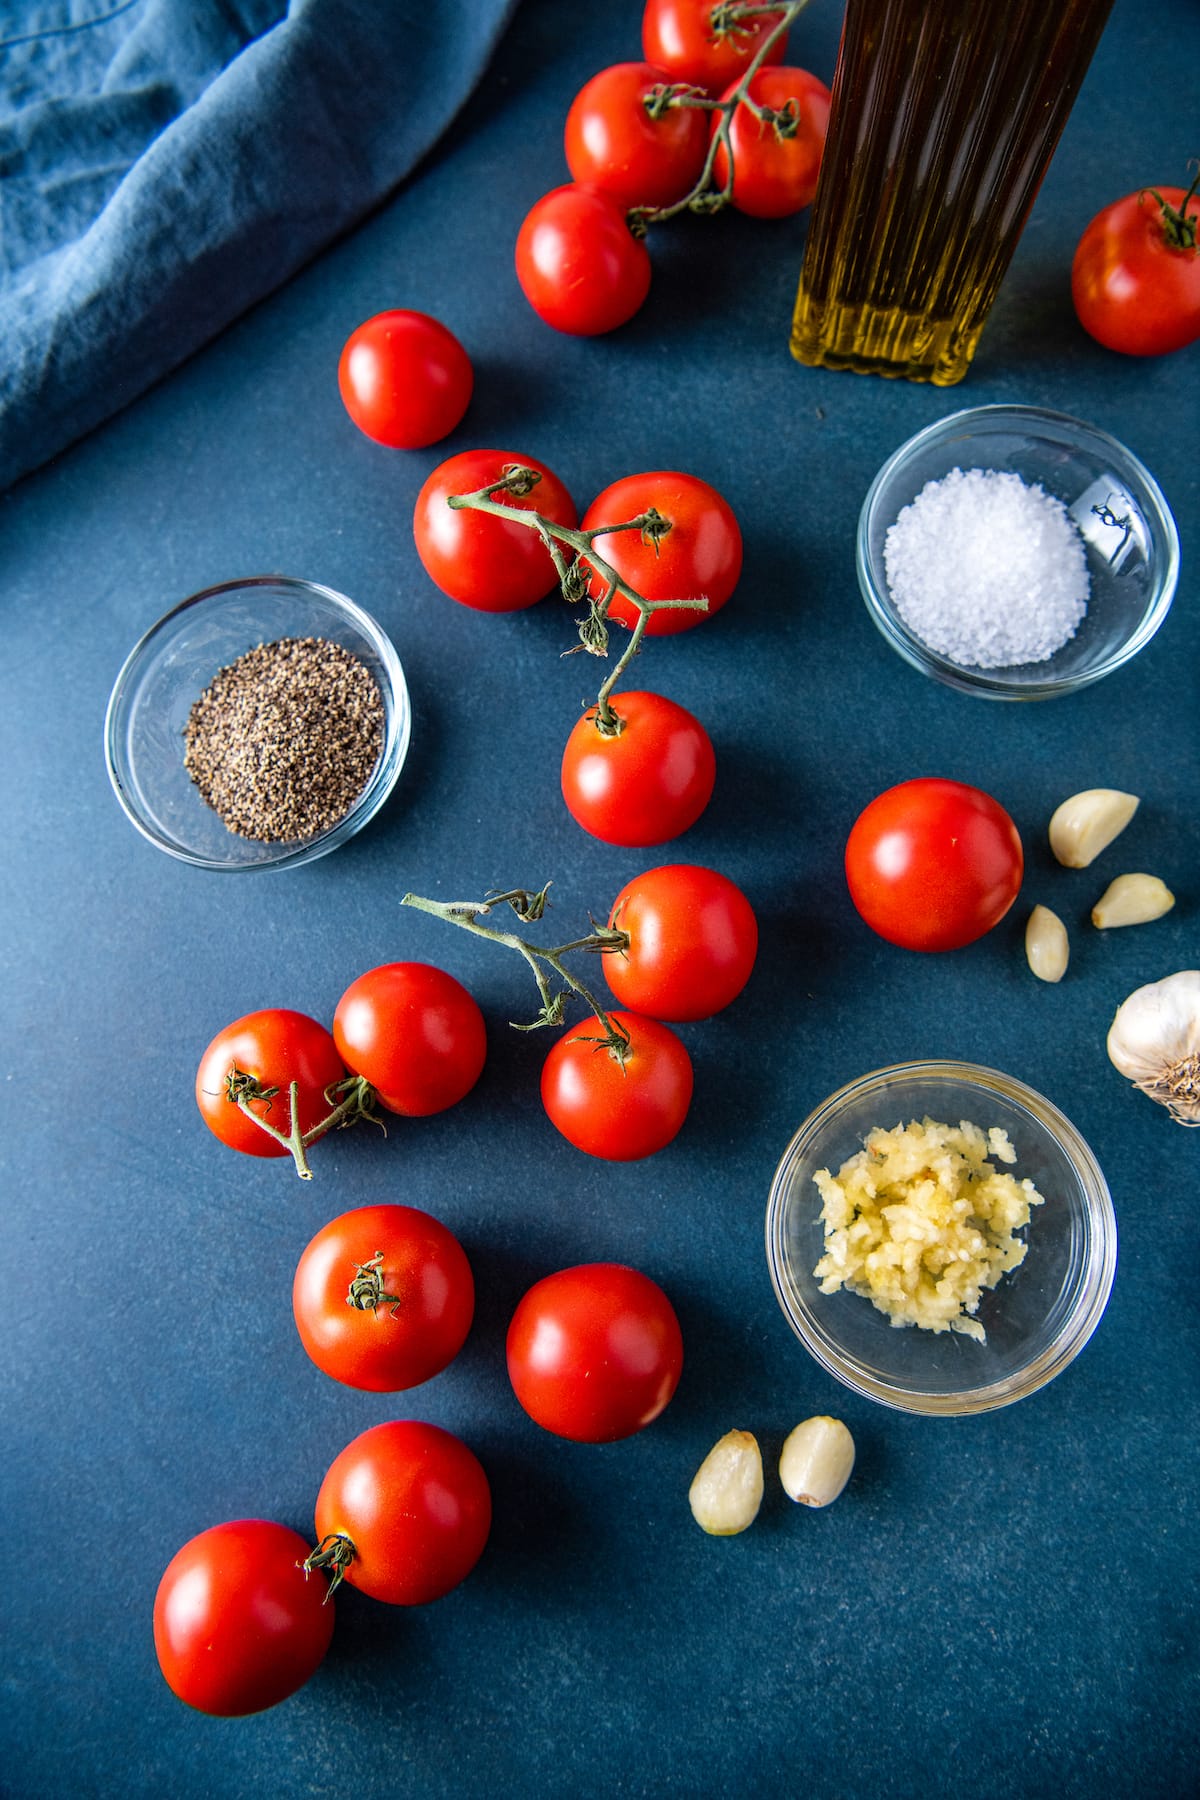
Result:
405,380
646,783
678,36
692,940
699,558
579,265
238,1625
275,1047
775,164
613,143
618,1110
595,1352
383,1298
933,864
488,563
415,1034
403,1513
1135,279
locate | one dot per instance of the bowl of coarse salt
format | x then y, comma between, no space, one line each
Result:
1016,553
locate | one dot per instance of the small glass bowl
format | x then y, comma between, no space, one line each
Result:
1132,559
166,672
1036,1319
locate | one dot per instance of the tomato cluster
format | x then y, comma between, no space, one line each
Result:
405,1035
709,118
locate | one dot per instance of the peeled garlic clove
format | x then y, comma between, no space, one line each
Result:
1155,1041
728,1487
1132,900
1087,823
1046,947
816,1461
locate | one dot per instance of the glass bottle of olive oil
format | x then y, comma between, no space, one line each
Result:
945,116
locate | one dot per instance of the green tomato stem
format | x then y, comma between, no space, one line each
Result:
530,905
356,1102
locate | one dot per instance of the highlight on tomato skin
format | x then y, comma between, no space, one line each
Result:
933,864
238,1624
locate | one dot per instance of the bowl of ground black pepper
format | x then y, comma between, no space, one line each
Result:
1015,553
258,725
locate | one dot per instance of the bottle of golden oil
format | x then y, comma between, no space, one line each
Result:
945,116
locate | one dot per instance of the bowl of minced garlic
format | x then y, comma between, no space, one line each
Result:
940,1237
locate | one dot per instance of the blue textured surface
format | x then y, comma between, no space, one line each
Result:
1001,1605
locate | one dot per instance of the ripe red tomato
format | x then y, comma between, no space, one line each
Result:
595,1352
488,563
238,1625
678,36
692,942
617,1110
613,143
645,784
700,557
579,265
383,1298
415,1034
405,379
275,1047
1135,278
933,864
410,1507
775,165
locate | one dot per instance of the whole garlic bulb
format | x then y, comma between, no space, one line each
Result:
1155,1040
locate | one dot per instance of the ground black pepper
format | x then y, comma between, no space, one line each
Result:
283,740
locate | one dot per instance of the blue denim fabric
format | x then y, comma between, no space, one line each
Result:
166,163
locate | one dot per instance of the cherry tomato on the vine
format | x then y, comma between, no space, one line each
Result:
613,142
490,564
699,558
405,379
618,1109
1135,278
579,265
933,864
693,938
238,1625
413,1032
595,1352
410,1508
383,1298
274,1047
647,782
679,36
775,165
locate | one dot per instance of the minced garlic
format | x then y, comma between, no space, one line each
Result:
920,1222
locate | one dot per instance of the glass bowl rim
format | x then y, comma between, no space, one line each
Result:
393,687
984,683
1096,1280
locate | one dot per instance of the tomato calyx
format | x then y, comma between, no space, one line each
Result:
334,1553
529,905
1178,224
367,1292
578,571
348,1100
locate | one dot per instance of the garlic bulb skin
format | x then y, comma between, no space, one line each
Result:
1155,1041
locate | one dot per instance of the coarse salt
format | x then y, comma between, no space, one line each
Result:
987,570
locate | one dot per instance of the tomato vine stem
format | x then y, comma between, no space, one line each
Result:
349,1100
726,19
529,907
574,573
335,1552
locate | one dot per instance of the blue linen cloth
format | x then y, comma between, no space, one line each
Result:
166,163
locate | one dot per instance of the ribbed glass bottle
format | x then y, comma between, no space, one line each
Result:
945,116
